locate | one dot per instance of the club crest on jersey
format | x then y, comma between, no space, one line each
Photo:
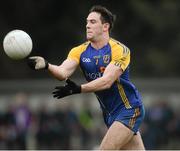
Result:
106,59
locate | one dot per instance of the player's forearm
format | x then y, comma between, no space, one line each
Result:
57,72
96,85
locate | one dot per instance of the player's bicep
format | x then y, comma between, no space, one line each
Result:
68,67
112,72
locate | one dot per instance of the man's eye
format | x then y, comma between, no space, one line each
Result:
93,21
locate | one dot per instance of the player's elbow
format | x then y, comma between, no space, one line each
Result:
61,75
108,86
109,80
107,83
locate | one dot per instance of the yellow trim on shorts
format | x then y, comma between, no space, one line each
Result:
123,96
133,119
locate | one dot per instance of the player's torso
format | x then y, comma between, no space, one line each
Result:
122,93
93,62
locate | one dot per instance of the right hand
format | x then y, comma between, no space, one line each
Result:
69,88
37,63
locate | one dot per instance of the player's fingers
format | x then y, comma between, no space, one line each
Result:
59,97
55,95
31,63
58,91
34,57
55,92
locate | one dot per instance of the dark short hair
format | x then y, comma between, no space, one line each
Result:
106,15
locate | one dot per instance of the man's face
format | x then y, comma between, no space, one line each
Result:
94,26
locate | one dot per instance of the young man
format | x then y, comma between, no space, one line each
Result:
105,64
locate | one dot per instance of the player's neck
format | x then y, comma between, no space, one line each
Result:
101,42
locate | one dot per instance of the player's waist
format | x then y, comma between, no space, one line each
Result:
116,109
110,105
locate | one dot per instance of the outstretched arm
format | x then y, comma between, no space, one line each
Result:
60,72
111,73
64,70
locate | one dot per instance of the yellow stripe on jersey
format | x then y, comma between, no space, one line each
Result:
75,52
120,54
133,119
123,96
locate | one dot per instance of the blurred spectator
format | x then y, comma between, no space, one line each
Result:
86,123
56,128
78,129
15,123
22,116
155,127
8,132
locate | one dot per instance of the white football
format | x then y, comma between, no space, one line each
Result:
17,44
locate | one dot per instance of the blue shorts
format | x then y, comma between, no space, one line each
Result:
132,118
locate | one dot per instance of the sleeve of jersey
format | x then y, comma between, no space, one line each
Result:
75,54
120,57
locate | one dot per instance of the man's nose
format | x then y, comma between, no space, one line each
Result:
87,26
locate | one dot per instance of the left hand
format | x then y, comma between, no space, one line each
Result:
68,89
37,63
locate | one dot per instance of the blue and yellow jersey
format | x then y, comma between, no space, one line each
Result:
93,63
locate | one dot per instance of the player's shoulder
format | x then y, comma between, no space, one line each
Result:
116,44
76,51
81,47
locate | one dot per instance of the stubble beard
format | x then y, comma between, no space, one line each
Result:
91,39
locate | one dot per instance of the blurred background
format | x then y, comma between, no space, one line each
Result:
30,118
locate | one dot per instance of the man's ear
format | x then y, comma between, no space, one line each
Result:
106,27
